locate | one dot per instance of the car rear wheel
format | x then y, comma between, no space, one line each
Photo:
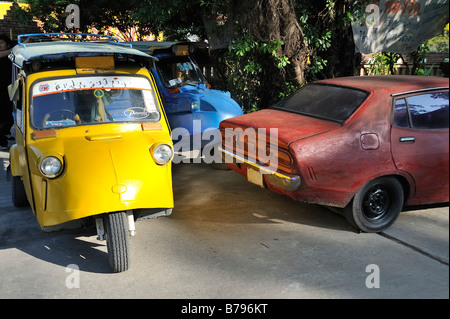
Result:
117,241
376,205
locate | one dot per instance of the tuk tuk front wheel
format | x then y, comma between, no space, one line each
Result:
117,241
18,195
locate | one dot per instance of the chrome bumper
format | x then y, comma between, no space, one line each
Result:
289,183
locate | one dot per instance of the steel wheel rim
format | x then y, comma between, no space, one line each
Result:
376,202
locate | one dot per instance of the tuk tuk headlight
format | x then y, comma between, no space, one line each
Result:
195,105
51,166
162,154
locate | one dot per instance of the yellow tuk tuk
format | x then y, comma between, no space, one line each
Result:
92,139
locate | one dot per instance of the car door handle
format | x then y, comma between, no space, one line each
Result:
408,139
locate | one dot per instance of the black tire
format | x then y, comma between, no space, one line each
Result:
18,195
117,241
376,205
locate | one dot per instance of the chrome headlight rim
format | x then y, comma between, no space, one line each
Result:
162,153
195,105
51,165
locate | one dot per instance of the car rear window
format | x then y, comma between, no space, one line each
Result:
329,102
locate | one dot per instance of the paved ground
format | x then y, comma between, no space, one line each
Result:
228,239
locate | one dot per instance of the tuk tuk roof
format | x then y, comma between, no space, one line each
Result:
155,46
25,52
151,45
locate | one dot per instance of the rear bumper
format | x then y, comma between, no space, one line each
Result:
287,182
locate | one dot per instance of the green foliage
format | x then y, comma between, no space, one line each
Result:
318,40
383,63
176,18
100,13
440,43
417,58
327,30
249,80
256,67
378,64
257,73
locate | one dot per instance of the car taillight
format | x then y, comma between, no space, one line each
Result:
284,158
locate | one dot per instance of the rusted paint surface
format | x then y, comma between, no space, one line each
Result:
335,160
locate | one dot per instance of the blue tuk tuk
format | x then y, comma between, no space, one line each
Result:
194,110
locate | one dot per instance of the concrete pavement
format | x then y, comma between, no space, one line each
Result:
228,238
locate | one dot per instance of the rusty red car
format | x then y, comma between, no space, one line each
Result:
370,146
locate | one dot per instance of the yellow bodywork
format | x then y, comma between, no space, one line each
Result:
108,167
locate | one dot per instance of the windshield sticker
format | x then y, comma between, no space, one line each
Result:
96,82
175,81
149,102
99,93
43,87
59,123
136,113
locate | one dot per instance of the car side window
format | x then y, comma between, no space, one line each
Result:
401,116
429,111
424,111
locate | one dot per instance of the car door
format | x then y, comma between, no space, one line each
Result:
420,143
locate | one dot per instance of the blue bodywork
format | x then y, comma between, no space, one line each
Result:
186,95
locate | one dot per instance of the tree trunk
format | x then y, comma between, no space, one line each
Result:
299,71
268,20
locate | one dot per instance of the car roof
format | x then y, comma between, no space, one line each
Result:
24,52
391,84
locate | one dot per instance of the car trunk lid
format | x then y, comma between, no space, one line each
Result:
291,127
264,137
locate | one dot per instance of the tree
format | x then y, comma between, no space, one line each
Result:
177,18
100,14
268,54
276,45
276,20
440,43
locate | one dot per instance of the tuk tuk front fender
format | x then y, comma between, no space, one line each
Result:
102,176
14,161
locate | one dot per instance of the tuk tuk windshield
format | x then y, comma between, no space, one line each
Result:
179,71
92,100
